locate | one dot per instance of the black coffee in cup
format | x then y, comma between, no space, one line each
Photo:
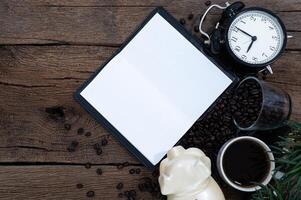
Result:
246,162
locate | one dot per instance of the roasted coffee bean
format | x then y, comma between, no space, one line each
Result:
88,134
96,146
99,151
79,186
155,173
88,165
190,16
132,171
119,186
80,131
126,193
133,193
99,171
182,21
120,166
196,29
67,127
104,142
120,195
208,3
72,146
137,171
70,149
90,194
74,143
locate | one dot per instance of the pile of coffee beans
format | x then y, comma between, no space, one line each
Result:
247,102
211,132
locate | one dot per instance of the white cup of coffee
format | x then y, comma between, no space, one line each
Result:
245,163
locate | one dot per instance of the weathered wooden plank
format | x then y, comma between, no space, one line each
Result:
34,78
37,86
105,22
278,5
60,182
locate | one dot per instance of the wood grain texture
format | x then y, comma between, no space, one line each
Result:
59,182
34,78
50,47
107,22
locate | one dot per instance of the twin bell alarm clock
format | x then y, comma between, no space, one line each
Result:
252,38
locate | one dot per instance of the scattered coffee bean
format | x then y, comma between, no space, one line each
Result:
119,186
155,173
88,165
99,151
120,195
88,134
67,127
208,3
137,171
132,171
72,147
125,164
90,194
120,166
190,16
196,29
74,143
99,171
104,142
80,131
133,193
96,146
182,21
79,186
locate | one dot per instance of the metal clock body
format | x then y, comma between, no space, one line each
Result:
255,37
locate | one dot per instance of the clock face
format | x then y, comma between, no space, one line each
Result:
255,37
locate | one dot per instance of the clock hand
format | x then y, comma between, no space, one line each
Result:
243,31
254,38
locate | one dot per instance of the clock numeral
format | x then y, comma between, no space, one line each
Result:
271,28
235,29
254,58
264,19
234,39
272,48
263,54
244,57
237,48
274,37
253,18
243,22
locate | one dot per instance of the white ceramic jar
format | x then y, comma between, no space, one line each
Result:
186,175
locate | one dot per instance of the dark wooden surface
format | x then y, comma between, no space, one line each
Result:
48,48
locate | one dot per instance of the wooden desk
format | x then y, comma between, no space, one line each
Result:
48,48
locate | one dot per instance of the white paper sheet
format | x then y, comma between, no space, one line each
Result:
154,90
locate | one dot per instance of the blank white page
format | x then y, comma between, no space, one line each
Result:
154,90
